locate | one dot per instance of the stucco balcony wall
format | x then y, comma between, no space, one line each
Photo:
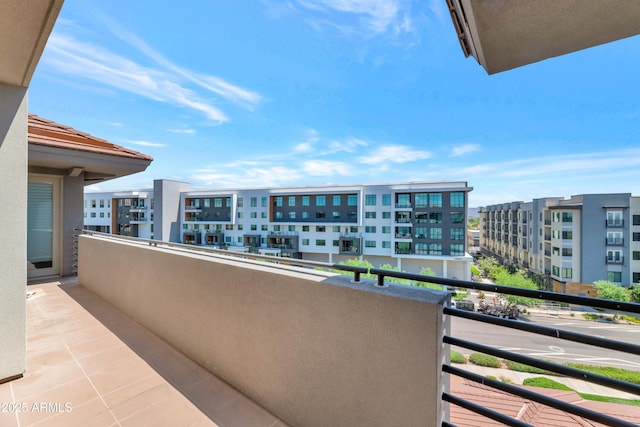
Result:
312,347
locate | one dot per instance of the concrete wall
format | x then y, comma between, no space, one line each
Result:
13,229
311,347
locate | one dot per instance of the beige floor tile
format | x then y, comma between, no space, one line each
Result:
42,378
9,418
178,369
93,414
89,333
211,394
173,411
108,359
48,403
49,358
94,345
126,373
242,412
138,396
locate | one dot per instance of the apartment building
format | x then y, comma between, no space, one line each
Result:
575,241
410,226
126,213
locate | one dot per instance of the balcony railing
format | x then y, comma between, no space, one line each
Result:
614,242
96,268
614,260
614,223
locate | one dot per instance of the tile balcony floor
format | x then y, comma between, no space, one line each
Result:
90,365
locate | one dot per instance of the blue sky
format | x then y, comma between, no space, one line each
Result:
263,93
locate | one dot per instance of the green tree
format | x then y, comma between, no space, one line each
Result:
517,280
473,223
611,291
426,271
634,293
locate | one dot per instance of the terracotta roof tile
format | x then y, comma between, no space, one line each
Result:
49,133
527,411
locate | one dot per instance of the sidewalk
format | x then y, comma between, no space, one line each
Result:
518,377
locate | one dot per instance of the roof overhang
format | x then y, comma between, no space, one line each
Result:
505,34
25,26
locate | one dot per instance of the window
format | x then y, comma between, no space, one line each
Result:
305,200
422,217
93,214
555,270
435,233
336,200
278,214
305,215
227,202
336,228
207,203
636,277
614,238
335,214
386,200
370,215
567,252
435,218
102,203
421,200
277,201
263,215
240,227
254,227
321,200
614,256
264,227
264,202
217,202
305,228
336,243
370,229
387,215
254,214
352,200
567,217
457,233
636,255
555,217
292,228
457,200
305,242
435,200
370,200
386,244
422,248
403,200
369,243
292,215
457,217
321,242
240,202
435,248
614,219
567,273
567,235
320,215
101,214
457,249
421,233
93,203
386,229
555,250
636,237
636,220
320,229
254,202
291,201
276,228
614,276
353,229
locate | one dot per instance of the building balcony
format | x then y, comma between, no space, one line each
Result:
614,260
258,344
614,223
614,242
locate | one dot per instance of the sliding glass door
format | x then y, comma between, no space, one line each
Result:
43,228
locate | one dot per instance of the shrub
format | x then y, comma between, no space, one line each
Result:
457,357
484,360
521,367
545,383
610,372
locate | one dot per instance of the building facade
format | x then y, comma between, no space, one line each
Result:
409,226
580,240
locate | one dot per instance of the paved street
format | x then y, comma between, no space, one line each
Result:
550,348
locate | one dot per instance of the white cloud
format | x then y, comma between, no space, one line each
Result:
256,177
395,154
167,82
303,147
146,143
326,168
185,131
348,145
461,150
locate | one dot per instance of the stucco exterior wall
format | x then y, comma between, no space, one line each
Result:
311,347
13,229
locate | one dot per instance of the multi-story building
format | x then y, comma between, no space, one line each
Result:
580,240
126,213
409,226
